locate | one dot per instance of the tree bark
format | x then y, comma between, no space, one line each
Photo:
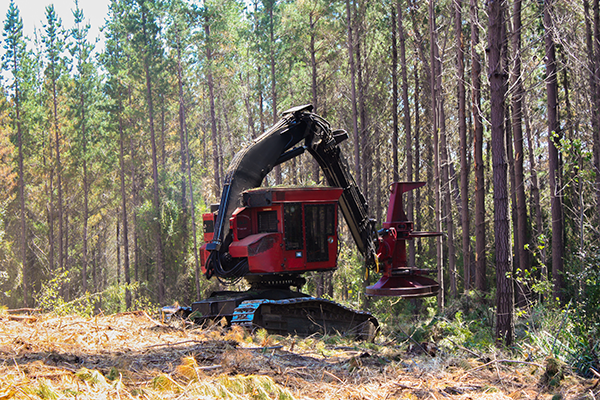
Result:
357,172
58,171
313,84
593,50
498,87
462,131
517,127
395,175
17,99
410,208
418,212
124,211
271,3
213,119
436,156
597,73
553,159
160,271
480,256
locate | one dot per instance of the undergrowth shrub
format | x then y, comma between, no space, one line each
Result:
52,298
584,315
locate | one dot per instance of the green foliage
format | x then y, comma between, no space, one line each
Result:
109,301
585,315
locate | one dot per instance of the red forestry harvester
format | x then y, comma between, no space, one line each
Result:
271,236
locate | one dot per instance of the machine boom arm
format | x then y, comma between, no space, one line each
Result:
277,145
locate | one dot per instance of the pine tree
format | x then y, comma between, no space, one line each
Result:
15,52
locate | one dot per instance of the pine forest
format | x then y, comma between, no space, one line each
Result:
113,148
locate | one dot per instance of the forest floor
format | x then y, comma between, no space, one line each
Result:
132,355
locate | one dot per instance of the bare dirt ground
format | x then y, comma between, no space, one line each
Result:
135,356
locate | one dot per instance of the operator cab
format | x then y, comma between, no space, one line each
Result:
283,230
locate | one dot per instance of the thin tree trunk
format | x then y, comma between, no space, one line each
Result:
25,271
261,111
445,183
185,165
517,127
480,256
597,70
407,129
395,174
160,271
135,200
118,240
273,81
357,172
497,74
213,119
85,196
124,211
313,84
364,144
58,173
436,155
535,192
593,50
553,158
418,212
189,172
462,131
249,112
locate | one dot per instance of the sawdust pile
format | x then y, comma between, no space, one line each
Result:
134,356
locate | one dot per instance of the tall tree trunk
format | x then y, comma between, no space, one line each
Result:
364,143
498,87
25,272
86,190
186,167
436,155
273,80
213,119
444,164
517,127
593,50
124,211
553,159
535,191
597,70
462,130
160,270
418,212
313,83
407,129
357,172
134,196
395,174
118,245
58,173
480,257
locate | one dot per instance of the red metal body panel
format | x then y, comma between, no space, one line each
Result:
259,230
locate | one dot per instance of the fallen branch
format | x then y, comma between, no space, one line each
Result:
173,344
209,367
597,376
22,318
262,348
498,362
22,310
333,376
464,348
